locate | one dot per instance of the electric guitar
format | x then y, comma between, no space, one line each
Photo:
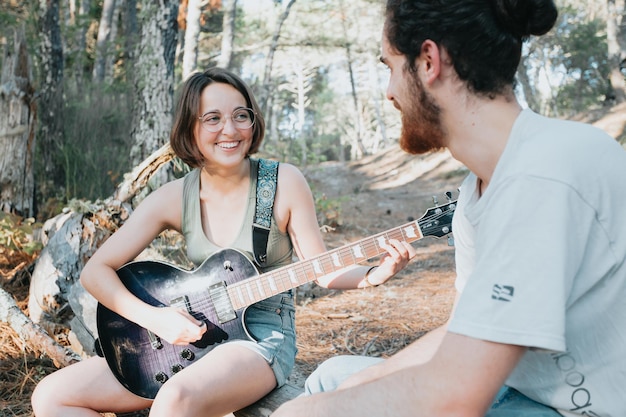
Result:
218,292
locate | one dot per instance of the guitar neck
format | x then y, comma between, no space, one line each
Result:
252,290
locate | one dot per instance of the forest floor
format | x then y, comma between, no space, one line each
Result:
363,198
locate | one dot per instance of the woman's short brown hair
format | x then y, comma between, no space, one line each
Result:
182,138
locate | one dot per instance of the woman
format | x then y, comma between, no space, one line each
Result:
218,125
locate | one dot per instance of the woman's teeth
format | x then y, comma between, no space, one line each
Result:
227,145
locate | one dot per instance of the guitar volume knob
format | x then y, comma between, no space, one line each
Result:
187,354
177,368
161,377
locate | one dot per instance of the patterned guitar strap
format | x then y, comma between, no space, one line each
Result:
265,193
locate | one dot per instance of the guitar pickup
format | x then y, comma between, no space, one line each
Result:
181,302
155,341
221,301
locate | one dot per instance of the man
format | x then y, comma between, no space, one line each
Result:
539,326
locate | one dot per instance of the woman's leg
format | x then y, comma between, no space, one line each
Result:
84,389
227,379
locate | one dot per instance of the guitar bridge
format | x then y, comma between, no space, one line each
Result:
221,301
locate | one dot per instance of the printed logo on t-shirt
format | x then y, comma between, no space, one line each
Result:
502,292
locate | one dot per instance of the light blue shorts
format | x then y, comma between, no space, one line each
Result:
272,323
508,403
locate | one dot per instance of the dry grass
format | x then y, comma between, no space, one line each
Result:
20,366
376,321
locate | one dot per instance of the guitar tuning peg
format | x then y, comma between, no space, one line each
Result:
449,195
435,200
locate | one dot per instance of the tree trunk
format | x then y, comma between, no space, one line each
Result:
192,34
359,149
154,78
111,56
103,41
615,54
266,89
129,16
51,94
527,88
17,131
228,33
301,88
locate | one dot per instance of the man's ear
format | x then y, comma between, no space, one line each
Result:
430,59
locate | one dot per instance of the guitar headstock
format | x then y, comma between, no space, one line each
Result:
437,221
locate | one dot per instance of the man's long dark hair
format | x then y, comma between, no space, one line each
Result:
482,37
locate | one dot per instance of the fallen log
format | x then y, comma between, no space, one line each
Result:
135,181
33,334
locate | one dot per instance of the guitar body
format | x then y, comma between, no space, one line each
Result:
140,360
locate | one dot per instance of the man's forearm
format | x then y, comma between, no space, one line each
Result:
389,396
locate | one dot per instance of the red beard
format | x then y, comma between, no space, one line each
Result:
422,130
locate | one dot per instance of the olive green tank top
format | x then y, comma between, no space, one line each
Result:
199,247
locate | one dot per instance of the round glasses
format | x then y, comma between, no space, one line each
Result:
214,121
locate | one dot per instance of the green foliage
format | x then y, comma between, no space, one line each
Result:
8,16
585,60
328,209
573,57
16,234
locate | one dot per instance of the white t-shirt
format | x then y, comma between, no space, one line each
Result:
541,262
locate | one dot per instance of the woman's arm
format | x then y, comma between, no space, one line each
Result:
161,210
295,212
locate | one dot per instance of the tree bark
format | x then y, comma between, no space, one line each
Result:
192,34
154,78
51,92
140,176
129,16
17,130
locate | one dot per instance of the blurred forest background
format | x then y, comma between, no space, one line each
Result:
96,81
87,90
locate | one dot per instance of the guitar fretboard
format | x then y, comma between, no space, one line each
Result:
250,291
